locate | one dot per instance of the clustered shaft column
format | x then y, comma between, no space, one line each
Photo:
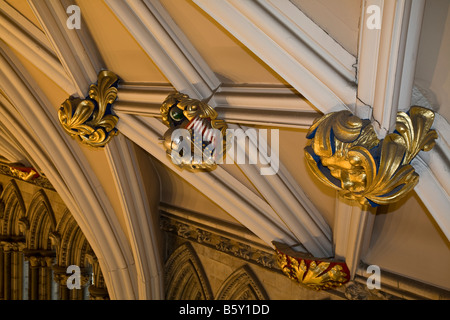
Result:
11,269
40,280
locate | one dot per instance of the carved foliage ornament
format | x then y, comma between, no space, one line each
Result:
344,153
203,145
90,120
317,274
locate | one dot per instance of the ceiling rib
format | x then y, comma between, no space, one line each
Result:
287,199
10,149
230,194
154,30
386,61
432,181
74,47
25,37
60,41
139,214
286,49
84,59
255,105
79,191
161,44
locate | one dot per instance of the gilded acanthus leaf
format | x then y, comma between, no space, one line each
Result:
345,154
415,131
314,274
87,119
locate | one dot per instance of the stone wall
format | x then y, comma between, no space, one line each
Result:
219,266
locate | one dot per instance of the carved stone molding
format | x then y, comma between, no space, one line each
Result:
39,258
90,120
37,179
242,284
184,276
12,245
195,232
345,153
358,291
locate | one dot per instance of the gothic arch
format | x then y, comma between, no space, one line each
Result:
185,278
242,284
70,241
72,248
13,216
12,242
42,222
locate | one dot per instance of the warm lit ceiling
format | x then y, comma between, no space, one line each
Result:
405,239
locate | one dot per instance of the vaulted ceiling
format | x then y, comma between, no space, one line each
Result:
272,64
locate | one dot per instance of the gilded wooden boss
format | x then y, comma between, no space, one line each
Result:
344,153
203,143
317,274
89,119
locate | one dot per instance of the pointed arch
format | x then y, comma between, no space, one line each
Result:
242,284
13,217
12,241
72,248
185,277
72,245
42,222
39,253
24,109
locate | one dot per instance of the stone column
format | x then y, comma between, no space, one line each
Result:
97,293
40,282
12,269
61,276
97,290
6,272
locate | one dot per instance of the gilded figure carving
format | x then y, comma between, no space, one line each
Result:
345,153
202,145
25,174
90,120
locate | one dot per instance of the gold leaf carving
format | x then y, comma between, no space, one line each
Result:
87,119
415,131
317,274
179,111
344,153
